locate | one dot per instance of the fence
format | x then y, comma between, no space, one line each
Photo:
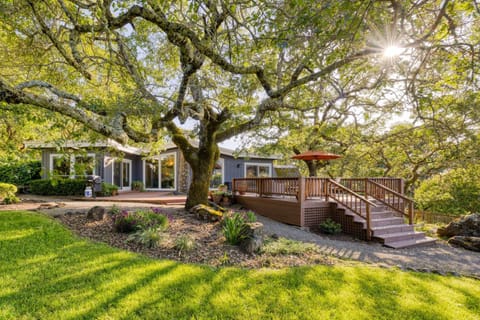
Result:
431,217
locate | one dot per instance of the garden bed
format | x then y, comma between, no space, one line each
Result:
210,246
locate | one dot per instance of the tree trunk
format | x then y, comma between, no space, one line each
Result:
202,168
199,187
312,168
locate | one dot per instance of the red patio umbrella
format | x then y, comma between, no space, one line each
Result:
309,156
316,155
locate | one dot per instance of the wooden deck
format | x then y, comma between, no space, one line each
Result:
287,209
369,208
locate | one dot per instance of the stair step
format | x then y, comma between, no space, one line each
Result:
400,236
382,214
396,228
386,221
411,243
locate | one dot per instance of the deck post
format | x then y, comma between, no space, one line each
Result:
301,199
410,212
325,189
369,232
365,187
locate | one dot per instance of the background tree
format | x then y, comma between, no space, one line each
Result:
132,70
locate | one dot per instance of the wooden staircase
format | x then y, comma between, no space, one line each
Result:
392,231
388,227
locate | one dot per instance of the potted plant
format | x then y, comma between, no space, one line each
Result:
241,187
227,199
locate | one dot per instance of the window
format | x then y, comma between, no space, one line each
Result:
258,170
60,165
84,165
217,174
160,173
151,174
167,171
66,165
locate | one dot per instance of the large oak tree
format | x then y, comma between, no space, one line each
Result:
137,70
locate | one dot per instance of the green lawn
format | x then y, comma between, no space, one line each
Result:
48,273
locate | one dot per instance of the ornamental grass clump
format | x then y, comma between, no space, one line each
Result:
184,243
140,220
151,237
234,228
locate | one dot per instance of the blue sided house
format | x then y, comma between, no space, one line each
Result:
121,165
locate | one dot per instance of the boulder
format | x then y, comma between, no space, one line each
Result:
203,212
254,237
468,226
469,243
96,213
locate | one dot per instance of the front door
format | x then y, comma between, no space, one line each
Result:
122,174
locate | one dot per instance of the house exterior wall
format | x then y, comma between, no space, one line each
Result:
235,168
46,153
104,167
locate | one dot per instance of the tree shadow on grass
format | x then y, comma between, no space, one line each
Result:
70,278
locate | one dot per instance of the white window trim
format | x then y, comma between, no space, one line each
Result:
72,162
159,159
246,164
222,163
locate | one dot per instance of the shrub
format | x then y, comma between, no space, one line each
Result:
109,189
7,189
138,186
7,193
124,222
284,246
114,210
20,174
149,219
150,237
456,192
184,243
140,220
10,199
330,227
234,228
58,187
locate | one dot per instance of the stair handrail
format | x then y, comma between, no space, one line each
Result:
356,205
408,202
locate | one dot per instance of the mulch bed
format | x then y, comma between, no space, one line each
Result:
210,249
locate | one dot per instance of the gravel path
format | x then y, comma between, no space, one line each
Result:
440,258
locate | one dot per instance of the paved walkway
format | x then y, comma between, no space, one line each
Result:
440,257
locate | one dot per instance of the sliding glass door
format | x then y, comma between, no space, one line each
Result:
122,174
160,173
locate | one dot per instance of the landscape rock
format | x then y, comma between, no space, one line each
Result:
254,238
467,226
203,212
469,243
96,213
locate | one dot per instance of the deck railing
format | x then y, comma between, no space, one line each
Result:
392,199
305,189
358,184
265,187
357,204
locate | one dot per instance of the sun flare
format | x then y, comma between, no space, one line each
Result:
392,51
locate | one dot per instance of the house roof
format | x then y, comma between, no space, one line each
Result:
109,143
